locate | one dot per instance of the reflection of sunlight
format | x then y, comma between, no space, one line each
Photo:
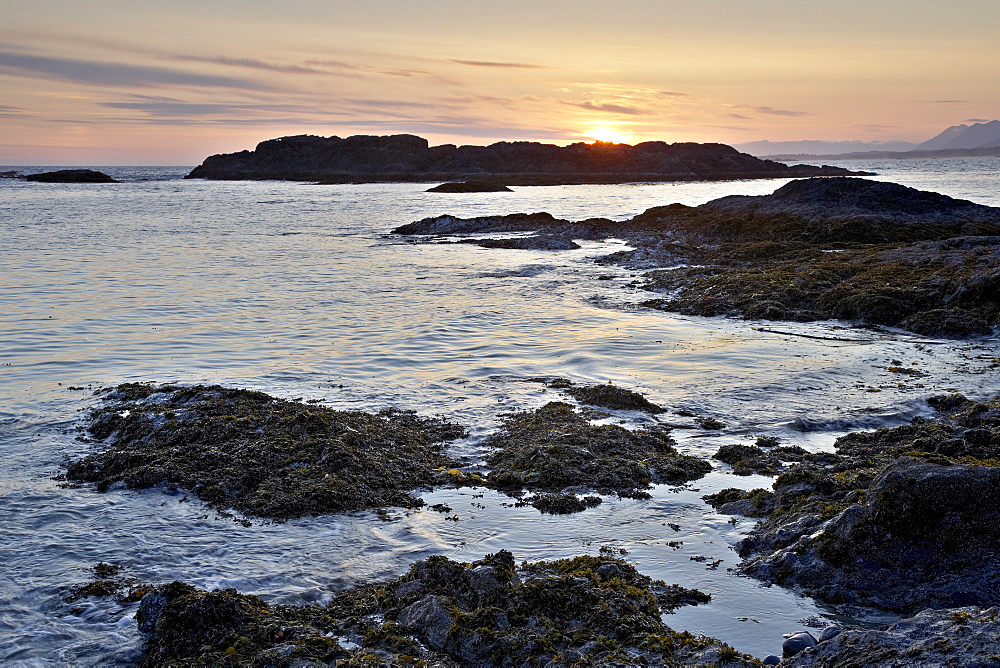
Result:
608,132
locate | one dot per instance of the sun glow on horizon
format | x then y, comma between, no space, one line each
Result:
609,133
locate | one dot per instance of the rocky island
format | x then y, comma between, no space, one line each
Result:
370,159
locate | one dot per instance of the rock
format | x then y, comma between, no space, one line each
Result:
470,187
71,176
614,397
830,632
430,618
554,448
597,610
901,519
548,242
968,636
771,660
363,158
263,456
796,642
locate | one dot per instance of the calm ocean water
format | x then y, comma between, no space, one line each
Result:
298,290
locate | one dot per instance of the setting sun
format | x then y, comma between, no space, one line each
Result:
610,134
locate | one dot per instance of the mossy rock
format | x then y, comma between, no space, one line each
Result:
265,457
587,610
554,448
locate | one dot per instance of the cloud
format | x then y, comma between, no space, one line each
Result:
590,105
942,101
976,120
778,112
11,112
739,116
671,93
252,63
117,74
176,108
490,63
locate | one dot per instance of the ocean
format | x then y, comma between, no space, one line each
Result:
300,291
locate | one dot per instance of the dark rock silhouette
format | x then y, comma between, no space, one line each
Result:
470,187
364,158
71,176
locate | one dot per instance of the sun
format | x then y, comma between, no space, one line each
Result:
607,132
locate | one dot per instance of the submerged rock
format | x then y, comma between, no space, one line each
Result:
555,448
901,519
585,610
266,457
71,176
612,396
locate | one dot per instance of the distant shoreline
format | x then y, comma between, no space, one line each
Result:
991,152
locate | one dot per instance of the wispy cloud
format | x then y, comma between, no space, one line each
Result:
252,63
11,112
116,74
977,120
778,112
942,101
490,63
591,105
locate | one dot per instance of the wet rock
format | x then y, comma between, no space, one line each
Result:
749,459
266,457
470,187
549,242
771,660
967,636
71,176
554,448
796,642
830,632
614,397
561,503
906,518
599,610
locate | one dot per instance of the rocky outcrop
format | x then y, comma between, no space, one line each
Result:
364,158
263,456
71,176
470,187
901,519
815,249
581,611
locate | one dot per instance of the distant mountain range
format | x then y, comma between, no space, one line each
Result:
979,139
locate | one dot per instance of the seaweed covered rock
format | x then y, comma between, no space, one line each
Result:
554,448
614,397
584,610
260,455
967,636
904,518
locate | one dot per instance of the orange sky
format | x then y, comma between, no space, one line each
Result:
149,82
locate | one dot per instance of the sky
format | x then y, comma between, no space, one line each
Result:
144,82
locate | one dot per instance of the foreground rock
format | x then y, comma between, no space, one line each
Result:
901,519
364,158
71,176
556,450
962,637
582,611
265,457
815,249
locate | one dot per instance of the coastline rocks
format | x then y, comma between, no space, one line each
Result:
815,249
265,457
556,449
592,610
903,519
967,636
71,176
365,158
